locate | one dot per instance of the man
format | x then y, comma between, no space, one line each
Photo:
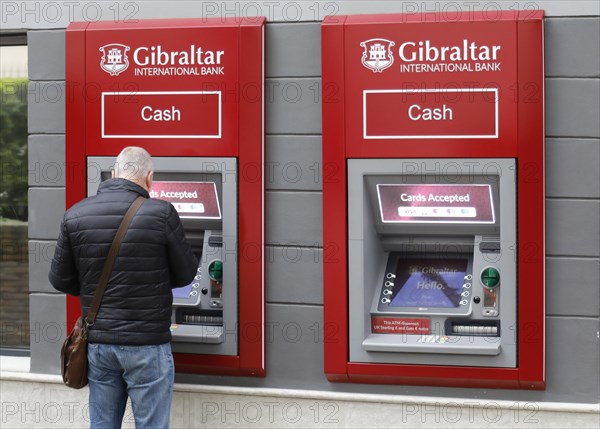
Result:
129,349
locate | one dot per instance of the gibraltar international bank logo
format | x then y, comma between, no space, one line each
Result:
377,54
114,58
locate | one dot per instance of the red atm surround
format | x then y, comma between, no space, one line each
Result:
518,132
237,130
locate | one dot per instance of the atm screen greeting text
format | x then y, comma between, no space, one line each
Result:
435,283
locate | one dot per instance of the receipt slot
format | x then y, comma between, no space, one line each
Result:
433,199
190,91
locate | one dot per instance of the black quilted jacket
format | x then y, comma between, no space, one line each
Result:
154,258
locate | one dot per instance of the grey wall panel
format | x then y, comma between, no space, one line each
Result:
44,15
293,50
572,47
46,55
572,227
295,346
47,318
293,106
572,356
572,168
294,218
572,107
294,275
40,257
46,107
46,210
46,160
572,287
293,162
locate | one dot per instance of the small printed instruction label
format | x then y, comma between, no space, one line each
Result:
396,325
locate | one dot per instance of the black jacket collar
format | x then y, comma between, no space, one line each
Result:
115,185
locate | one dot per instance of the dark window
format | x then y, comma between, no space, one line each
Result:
14,272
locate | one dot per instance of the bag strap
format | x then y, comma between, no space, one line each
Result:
110,260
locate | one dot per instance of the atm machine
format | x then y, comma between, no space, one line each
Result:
189,91
433,199
204,193
433,259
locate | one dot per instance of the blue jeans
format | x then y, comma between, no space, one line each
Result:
144,373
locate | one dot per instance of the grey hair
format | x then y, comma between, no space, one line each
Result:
133,163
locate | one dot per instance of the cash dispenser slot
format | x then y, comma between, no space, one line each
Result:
198,326
193,316
466,327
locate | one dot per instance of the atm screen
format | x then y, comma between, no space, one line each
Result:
187,295
183,292
190,294
433,283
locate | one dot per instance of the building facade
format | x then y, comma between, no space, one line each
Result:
294,252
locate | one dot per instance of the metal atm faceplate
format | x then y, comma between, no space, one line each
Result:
419,243
204,193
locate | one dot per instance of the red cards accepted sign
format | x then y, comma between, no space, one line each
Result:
193,200
395,325
435,203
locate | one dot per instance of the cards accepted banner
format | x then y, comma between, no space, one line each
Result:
195,200
435,203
